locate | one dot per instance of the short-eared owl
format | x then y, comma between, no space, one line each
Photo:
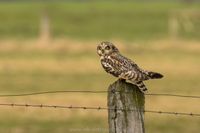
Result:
119,66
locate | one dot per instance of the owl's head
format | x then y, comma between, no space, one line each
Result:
106,48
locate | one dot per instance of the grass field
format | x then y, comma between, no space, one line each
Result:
29,64
26,66
104,20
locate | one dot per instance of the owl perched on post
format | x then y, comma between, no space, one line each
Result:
119,66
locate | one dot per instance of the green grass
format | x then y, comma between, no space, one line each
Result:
93,20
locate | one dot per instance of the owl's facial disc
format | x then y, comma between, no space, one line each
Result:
106,48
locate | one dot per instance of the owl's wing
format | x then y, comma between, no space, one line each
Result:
133,71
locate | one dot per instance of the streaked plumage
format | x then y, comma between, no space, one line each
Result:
119,66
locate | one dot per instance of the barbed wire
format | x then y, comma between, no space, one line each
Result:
91,91
95,108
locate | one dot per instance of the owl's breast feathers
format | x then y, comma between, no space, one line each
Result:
122,67
111,66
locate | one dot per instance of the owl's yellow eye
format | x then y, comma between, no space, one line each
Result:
107,48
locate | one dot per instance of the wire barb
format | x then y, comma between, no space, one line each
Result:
95,108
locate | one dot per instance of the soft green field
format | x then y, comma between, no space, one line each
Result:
105,20
26,66
29,64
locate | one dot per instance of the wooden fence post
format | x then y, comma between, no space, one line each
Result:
126,108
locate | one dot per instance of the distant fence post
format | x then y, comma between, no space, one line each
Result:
173,26
44,37
126,108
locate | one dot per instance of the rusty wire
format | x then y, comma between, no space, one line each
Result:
95,108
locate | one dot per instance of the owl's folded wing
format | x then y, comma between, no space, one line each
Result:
130,69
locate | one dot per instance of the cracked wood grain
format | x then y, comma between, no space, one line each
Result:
127,108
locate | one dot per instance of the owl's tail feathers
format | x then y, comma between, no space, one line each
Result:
155,75
141,86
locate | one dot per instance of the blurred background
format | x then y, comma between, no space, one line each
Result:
51,45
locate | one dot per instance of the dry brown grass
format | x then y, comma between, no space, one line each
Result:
91,64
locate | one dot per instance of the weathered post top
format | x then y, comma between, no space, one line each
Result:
126,108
